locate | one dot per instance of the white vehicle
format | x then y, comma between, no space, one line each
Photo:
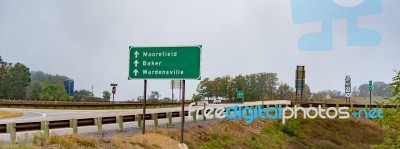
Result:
217,101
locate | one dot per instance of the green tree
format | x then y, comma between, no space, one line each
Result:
4,68
255,86
154,95
196,97
270,84
306,93
239,83
223,86
34,90
205,88
391,118
363,90
166,100
396,89
47,78
379,89
54,92
17,80
41,80
48,92
284,91
79,95
106,95
252,87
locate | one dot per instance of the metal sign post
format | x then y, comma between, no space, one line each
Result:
144,107
183,110
113,90
370,94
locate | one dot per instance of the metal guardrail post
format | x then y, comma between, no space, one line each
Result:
73,123
138,118
169,115
154,116
98,122
194,116
204,110
204,116
337,106
12,131
44,125
120,122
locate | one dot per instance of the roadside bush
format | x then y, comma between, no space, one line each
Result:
290,128
391,118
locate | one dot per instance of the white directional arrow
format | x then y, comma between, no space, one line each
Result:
136,62
136,54
136,72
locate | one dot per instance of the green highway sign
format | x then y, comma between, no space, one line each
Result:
370,85
240,94
181,62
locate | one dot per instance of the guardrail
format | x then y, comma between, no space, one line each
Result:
12,128
88,105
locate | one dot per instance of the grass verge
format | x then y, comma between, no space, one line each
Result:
9,114
260,134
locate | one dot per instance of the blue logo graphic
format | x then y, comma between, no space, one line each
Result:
372,114
325,11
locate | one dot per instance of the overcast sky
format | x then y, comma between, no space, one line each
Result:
88,41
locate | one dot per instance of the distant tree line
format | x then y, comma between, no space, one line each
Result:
259,86
379,89
155,97
51,87
16,81
46,86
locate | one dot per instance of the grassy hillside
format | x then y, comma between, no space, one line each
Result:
296,133
318,133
